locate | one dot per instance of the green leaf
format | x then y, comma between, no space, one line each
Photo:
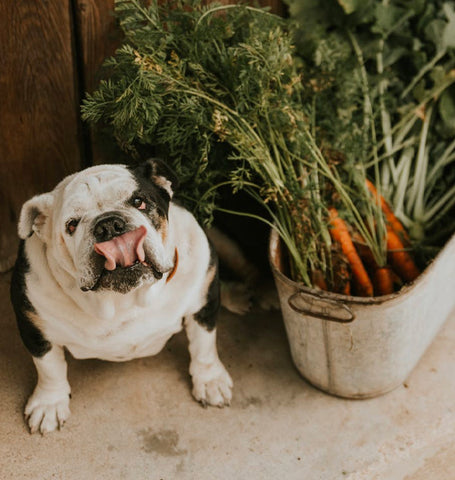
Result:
416,6
350,6
388,18
393,55
434,32
438,75
447,109
448,36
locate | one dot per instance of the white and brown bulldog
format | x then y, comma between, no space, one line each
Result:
109,267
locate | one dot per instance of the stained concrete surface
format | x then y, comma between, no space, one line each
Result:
137,420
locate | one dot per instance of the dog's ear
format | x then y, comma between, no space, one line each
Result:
34,215
158,172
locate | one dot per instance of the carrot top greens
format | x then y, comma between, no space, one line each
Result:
389,66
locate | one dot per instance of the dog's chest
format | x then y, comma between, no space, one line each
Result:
139,335
119,329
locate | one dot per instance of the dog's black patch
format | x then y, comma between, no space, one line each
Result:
31,335
155,167
207,315
157,203
156,197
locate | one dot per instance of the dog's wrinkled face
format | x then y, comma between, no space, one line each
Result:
107,225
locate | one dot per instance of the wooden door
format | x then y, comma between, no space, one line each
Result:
39,125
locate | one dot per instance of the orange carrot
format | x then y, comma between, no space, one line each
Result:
384,278
390,217
346,289
318,280
400,259
364,251
397,281
339,232
383,281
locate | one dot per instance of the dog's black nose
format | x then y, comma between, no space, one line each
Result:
108,227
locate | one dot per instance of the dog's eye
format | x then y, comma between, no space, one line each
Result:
139,203
71,226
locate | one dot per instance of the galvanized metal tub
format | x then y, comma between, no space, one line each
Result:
357,347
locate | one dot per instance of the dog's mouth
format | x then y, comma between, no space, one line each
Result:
124,250
125,261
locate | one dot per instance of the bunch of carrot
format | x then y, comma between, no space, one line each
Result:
367,278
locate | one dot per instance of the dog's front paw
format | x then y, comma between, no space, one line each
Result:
212,385
46,411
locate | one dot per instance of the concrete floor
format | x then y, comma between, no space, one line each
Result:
137,420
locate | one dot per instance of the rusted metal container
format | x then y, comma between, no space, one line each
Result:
359,347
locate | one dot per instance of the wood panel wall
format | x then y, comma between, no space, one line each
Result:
51,52
39,125
97,38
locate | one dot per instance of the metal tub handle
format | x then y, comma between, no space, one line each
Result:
322,308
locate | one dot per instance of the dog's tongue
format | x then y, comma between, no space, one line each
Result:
123,250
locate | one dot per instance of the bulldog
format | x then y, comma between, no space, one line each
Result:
110,267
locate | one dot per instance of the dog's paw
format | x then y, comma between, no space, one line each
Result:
236,297
212,385
46,411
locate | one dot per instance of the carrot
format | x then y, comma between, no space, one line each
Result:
339,233
383,281
383,277
364,251
397,282
346,290
400,259
318,280
390,217
397,241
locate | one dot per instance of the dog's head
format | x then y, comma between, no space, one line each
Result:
106,226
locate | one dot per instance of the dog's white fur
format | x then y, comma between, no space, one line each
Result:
106,324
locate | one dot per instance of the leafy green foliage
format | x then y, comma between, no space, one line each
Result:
177,63
390,72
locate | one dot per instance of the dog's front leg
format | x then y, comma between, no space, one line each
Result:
212,384
48,407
